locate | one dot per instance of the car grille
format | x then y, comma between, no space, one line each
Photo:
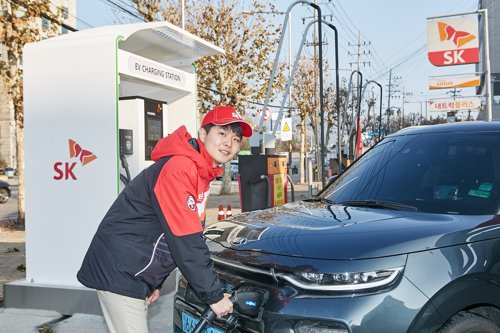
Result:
245,272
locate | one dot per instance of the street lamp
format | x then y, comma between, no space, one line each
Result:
359,86
275,65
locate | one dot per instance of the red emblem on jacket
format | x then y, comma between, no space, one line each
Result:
191,204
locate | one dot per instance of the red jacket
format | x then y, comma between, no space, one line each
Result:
182,190
155,225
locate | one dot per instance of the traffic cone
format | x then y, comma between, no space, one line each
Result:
220,215
229,213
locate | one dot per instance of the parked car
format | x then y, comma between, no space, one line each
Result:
4,191
407,239
10,172
234,170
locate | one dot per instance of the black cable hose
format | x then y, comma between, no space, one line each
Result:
125,179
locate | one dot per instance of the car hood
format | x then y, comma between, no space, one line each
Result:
322,231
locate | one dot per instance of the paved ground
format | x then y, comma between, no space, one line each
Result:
12,261
27,321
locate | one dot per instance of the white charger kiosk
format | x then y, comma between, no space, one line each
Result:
90,98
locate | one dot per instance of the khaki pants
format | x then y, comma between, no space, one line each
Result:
123,314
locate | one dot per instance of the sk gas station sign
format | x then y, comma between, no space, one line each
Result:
453,41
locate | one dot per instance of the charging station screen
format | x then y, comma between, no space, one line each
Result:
154,129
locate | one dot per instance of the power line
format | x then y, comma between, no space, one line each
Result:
354,25
116,5
343,22
400,62
128,5
250,102
372,56
69,14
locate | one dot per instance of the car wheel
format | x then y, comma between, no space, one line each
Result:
467,322
4,195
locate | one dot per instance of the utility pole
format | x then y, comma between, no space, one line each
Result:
426,107
290,147
454,93
358,62
423,99
405,94
421,110
389,99
390,94
316,118
318,35
317,113
359,53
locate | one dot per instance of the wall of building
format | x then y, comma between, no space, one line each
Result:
8,152
7,130
493,8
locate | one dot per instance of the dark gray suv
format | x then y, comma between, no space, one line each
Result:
407,239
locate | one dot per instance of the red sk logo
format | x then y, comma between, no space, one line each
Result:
75,150
459,38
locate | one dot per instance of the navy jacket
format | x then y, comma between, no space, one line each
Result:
155,225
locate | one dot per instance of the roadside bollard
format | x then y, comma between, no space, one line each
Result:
220,215
229,213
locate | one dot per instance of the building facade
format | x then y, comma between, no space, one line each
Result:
66,10
493,7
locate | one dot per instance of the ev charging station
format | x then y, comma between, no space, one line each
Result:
95,101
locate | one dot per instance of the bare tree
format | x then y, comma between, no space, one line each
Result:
19,25
241,74
307,104
305,100
330,107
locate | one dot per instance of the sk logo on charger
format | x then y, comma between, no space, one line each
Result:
64,170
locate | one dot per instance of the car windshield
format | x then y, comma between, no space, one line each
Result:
444,173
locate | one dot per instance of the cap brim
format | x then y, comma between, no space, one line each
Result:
246,129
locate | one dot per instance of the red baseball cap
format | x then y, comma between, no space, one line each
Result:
225,115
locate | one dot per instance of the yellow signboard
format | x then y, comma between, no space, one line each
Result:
454,82
279,189
286,129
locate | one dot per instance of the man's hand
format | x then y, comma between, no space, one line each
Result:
222,307
153,297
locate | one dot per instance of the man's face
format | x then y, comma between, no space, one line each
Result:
221,143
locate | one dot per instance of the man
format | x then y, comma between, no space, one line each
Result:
155,225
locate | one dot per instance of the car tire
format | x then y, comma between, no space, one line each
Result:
468,322
4,195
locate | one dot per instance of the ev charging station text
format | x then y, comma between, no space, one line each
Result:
158,71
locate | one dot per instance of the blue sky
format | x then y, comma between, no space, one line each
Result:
393,34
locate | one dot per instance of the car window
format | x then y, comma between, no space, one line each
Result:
448,173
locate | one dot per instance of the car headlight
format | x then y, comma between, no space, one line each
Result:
344,281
